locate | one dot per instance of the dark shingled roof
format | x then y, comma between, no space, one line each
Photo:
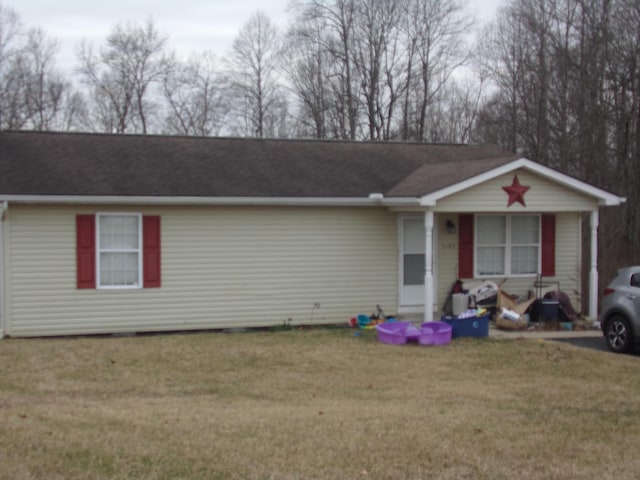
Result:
47,163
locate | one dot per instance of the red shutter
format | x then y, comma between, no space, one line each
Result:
86,251
548,227
465,246
151,251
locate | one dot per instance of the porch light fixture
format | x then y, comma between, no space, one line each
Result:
451,227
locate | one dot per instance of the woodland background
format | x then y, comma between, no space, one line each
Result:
557,81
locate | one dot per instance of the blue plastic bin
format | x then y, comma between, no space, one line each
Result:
468,327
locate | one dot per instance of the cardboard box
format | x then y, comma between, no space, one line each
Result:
506,324
511,303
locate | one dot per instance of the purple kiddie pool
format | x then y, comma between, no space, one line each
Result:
397,333
435,333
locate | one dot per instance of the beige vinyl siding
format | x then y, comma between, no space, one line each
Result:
569,256
543,196
3,262
221,268
568,264
447,257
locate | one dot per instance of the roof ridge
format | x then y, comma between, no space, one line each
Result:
345,141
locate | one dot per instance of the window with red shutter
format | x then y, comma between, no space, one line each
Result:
509,245
548,247
86,251
465,246
118,251
151,251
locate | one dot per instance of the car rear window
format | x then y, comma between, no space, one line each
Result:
635,280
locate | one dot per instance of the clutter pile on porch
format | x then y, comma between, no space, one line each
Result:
544,308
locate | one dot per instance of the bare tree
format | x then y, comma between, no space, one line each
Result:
45,87
549,60
75,114
500,57
435,32
624,97
376,58
307,71
455,111
197,98
32,91
253,73
333,25
10,28
386,62
122,73
10,81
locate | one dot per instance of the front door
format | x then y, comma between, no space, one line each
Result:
412,261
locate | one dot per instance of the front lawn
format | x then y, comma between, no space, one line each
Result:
314,404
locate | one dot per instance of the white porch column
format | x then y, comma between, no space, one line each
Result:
428,266
593,272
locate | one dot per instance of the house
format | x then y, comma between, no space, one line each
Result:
127,233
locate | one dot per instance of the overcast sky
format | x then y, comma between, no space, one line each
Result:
192,25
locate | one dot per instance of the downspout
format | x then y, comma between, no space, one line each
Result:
4,207
593,272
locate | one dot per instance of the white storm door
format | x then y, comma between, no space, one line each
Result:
412,261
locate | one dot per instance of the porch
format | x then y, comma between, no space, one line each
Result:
436,248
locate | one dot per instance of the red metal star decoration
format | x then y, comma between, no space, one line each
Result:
516,192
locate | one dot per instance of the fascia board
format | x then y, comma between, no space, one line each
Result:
209,201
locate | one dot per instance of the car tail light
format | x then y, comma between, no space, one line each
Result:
608,290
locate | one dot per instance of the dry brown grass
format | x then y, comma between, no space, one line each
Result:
314,404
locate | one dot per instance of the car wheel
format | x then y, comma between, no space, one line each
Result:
619,335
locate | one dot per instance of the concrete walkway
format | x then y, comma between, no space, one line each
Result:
497,333
548,334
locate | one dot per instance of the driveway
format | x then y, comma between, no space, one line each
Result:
591,339
581,338
594,343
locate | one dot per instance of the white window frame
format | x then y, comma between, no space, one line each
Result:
100,250
508,246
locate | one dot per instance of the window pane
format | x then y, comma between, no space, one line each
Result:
413,236
118,232
491,230
491,260
118,269
119,250
524,260
414,269
525,230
